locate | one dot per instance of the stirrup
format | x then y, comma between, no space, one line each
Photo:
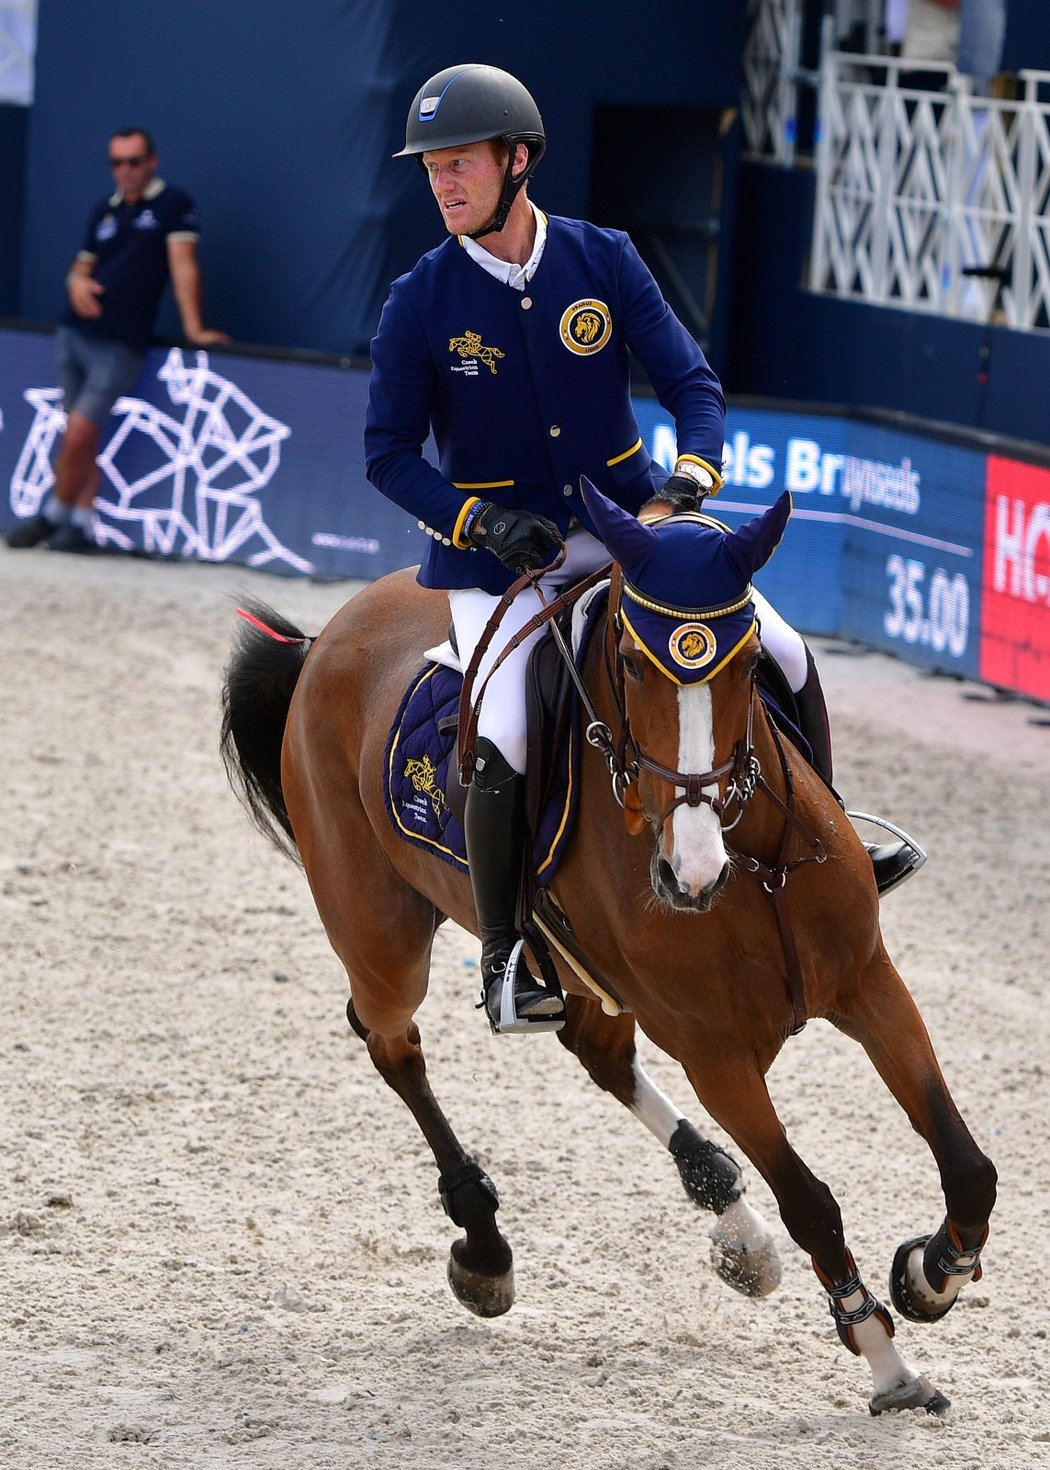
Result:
899,863
507,1021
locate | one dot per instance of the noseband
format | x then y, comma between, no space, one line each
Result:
742,769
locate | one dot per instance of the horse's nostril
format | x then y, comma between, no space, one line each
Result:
667,875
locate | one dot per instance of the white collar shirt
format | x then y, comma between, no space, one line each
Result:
508,271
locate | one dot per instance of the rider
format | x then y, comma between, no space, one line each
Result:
509,342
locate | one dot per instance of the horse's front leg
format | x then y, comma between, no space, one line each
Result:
480,1267
742,1249
929,1271
735,1094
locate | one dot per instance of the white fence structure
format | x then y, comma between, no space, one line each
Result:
933,200
770,90
17,49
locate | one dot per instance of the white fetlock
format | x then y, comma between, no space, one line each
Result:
895,1384
913,1293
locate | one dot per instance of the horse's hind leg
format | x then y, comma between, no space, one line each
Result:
480,1267
928,1271
742,1249
734,1093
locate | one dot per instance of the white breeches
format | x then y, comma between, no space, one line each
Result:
503,708
780,639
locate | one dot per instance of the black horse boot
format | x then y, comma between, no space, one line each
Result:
494,827
892,861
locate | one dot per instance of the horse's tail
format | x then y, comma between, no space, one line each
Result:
258,683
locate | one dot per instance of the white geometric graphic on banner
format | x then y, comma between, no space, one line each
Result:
17,49
212,461
33,475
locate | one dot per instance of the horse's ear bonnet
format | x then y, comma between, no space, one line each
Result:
687,581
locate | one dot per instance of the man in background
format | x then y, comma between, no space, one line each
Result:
138,237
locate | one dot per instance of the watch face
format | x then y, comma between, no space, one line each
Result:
696,472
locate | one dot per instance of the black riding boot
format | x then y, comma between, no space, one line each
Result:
891,861
813,720
495,831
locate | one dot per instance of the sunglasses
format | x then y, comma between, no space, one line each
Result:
136,161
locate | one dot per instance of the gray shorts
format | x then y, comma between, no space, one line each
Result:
94,373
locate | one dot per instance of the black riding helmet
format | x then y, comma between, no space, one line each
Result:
470,104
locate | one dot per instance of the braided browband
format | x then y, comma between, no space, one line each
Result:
698,517
688,614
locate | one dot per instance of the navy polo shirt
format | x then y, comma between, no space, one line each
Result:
127,245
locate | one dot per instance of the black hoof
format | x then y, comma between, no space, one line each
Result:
901,1293
482,1294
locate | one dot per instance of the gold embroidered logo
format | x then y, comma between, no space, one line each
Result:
423,775
470,345
692,645
586,326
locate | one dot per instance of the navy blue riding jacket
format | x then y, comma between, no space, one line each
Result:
526,391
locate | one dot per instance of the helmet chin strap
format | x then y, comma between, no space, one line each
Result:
511,186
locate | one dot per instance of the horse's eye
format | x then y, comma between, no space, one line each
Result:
632,667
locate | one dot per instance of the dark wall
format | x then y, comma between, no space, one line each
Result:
680,215
1027,40
787,342
281,119
13,135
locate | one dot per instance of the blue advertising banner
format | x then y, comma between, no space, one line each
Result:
767,452
216,457
913,547
884,543
224,457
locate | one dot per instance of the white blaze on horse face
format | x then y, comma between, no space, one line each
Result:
699,852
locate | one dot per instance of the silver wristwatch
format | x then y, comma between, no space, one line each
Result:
697,472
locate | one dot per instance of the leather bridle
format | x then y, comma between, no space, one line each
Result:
745,778
697,788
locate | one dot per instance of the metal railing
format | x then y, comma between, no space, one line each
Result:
17,49
933,200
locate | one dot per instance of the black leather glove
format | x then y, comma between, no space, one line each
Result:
519,538
680,492
688,487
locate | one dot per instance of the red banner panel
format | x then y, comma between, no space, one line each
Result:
1015,594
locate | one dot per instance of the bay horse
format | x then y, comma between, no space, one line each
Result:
712,877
